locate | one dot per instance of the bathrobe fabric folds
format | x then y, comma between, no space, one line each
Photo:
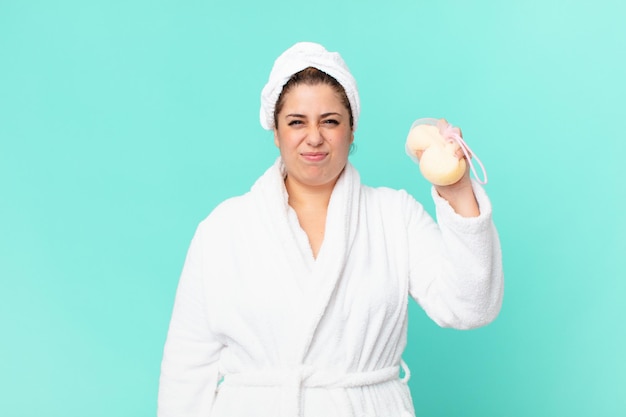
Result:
262,328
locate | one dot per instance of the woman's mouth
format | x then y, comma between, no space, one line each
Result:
314,156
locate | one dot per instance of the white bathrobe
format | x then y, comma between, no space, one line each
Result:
261,328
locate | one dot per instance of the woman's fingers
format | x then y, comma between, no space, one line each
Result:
460,154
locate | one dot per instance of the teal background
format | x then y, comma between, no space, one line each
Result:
123,123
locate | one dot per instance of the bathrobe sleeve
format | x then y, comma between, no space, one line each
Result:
189,371
455,264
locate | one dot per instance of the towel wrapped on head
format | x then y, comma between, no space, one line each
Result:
301,56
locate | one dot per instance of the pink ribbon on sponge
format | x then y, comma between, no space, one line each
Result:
453,134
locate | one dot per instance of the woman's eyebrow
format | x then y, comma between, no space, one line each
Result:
323,115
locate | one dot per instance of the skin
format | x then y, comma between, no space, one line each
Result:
314,137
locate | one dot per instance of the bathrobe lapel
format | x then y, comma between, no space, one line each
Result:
316,278
339,235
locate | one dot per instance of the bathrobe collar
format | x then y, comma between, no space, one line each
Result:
318,278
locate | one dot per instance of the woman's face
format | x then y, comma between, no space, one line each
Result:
314,135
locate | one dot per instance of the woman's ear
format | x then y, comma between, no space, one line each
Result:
276,142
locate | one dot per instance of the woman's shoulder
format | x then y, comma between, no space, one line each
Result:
392,204
228,212
388,196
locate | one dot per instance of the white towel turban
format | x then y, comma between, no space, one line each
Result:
300,56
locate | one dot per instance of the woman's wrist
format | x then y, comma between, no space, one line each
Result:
461,197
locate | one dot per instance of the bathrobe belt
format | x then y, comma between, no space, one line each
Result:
294,380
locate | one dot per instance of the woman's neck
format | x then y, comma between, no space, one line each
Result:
307,196
311,206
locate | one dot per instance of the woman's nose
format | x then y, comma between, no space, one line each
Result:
314,137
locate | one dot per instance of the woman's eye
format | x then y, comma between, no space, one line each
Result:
331,121
294,122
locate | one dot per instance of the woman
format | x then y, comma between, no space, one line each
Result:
293,298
